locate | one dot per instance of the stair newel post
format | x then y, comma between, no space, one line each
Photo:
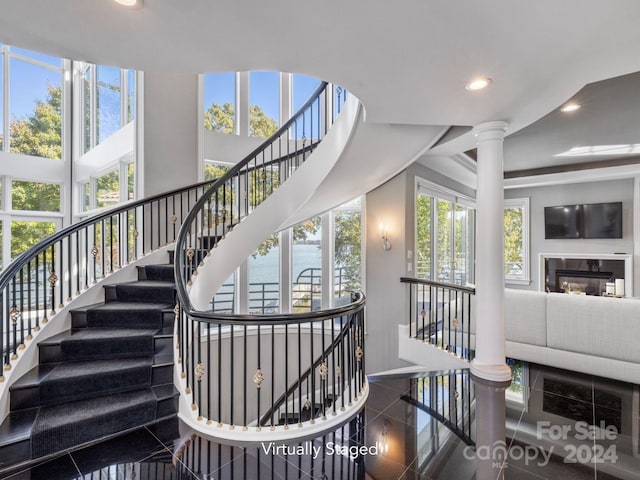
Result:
198,371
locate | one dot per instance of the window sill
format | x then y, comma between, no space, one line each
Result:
517,281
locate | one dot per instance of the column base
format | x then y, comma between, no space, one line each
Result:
494,373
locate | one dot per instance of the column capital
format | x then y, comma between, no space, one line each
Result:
489,131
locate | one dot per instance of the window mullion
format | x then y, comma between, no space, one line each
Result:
5,95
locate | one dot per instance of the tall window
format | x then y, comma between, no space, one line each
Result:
306,266
516,240
264,103
31,123
107,106
445,226
220,102
347,228
264,277
108,102
34,90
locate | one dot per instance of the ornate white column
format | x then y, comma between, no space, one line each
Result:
489,362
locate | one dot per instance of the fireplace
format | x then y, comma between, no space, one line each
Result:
581,275
579,281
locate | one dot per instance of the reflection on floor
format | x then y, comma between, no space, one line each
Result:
412,427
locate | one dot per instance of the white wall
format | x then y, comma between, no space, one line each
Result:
386,296
593,192
170,138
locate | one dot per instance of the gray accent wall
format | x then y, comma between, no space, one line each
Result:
592,192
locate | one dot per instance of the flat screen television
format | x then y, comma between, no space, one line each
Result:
562,221
602,220
594,220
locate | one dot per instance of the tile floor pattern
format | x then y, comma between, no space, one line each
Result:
412,444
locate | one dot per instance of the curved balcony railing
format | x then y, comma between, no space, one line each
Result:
264,370
38,283
273,370
440,314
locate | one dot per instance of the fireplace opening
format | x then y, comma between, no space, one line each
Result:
580,281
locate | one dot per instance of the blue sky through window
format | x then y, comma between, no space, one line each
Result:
27,84
264,91
303,87
219,88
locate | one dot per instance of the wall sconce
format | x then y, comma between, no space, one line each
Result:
384,233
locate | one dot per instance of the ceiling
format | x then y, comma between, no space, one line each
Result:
407,61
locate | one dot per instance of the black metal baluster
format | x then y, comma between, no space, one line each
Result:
258,378
286,375
273,371
159,225
208,375
299,376
219,375
36,328
244,382
52,280
231,365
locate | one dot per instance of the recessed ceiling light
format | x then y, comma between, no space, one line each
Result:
478,83
570,107
130,3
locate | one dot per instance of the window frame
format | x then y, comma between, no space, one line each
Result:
438,192
524,204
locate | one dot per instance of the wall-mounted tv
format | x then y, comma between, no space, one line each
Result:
594,220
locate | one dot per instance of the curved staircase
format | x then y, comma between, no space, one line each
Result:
112,372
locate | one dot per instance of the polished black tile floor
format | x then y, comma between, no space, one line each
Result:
414,426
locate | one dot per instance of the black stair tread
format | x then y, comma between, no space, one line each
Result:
126,306
79,410
148,284
57,371
17,426
98,334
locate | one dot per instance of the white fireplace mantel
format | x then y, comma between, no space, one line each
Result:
628,266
